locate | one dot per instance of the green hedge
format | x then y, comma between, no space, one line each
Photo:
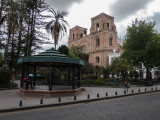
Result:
98,81
5,77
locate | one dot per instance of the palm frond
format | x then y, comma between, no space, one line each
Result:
58,26
63,14
49,25
65,22
2,20
53,11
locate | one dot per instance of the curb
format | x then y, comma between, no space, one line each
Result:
9,88
74,102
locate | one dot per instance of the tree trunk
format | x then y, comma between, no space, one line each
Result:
28,37
55,46
7,45
20,35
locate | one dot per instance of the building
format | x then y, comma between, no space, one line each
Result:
100,43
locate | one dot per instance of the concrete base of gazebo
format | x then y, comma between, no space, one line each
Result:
54,93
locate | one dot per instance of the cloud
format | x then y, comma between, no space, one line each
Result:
122,30
156,18
62,4
122,9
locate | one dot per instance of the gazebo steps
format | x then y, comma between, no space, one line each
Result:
53,93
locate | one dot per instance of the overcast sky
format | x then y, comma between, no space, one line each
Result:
124,12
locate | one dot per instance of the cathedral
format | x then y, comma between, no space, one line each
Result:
101,43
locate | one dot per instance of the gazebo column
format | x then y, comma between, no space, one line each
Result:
73,78
79,77
51,78
34,79
22,76
27,74
27,70
69,76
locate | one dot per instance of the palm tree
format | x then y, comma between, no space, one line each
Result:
12,16
57,26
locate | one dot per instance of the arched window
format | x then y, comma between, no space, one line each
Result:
97,59
73,37
110,41
85,32
84,48
97,26
108,26
81,35
97,42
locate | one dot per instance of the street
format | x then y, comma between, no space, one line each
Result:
140,107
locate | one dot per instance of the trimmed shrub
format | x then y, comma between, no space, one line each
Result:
98,81
91,76
5,77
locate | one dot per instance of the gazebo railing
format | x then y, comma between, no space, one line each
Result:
56,84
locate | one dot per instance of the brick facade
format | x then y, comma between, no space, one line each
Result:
100,42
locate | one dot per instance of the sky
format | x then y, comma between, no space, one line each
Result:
80,13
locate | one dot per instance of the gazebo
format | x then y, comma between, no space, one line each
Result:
51,59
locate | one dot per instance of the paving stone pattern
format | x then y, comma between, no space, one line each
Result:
140,107
11,98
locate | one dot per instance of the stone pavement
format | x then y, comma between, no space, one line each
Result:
11,98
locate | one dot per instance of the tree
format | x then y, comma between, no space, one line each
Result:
72,53
134,74
153,52
77,52
21,34
120,66
106,72
63,49
34,37
12,17
88,68
1,57
138,50
5,77
1,27
57,26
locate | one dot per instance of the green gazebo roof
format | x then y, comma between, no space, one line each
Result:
50,57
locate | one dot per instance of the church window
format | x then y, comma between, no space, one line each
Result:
110,41
108,26
84,49
97,26
97,42
85,32
97,59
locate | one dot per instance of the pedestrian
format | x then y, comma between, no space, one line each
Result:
29,82
13,78
126,86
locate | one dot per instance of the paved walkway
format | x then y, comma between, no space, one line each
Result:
11,98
